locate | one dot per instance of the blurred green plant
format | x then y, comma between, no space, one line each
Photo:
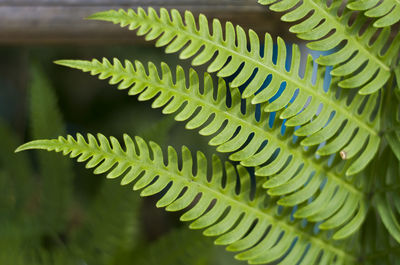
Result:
45,219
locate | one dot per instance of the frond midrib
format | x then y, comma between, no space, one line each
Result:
342,110
354,40
249,209
245,123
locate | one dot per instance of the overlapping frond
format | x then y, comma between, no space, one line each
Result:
392,122
111,226
224,202
18,171
227,57
387,197
43,109
385,12
294,174
376,245
358,55
178,247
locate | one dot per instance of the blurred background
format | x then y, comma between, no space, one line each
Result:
53,210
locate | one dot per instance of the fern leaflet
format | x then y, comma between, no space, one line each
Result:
386,12
243,220
43,107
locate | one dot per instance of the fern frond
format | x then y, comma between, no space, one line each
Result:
392,120
362,64
387,194
253,142
225,202
17,179
377,246
385,12
47,122
111,226
178,247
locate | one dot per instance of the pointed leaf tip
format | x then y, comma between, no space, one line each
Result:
36,144
76,64
62,62
23,147
103,15
19,149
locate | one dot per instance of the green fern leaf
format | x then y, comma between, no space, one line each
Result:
392,135
391,112
178,247
377,247
362,64
226,202
385,12
175,35
111,226
44,108
387,197
252,141
17,179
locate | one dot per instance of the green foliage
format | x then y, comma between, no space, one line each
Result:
111,223
324,157
378,247
15,180
46,121
181,247
178,247
387,200
387,12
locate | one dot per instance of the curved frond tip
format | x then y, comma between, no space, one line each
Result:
226,203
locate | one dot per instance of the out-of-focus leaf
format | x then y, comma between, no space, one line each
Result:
56,173
111,225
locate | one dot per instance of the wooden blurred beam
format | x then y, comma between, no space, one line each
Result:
62,21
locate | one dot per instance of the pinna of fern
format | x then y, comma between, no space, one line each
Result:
226,202
292,171
387,12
